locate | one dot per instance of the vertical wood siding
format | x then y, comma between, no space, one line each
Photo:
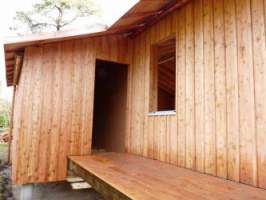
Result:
54,105
220,122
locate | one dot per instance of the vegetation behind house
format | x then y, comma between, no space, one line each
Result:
5,109
50,15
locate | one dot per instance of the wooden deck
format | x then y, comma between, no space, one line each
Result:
133,177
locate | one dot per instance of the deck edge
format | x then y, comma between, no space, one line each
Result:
102,187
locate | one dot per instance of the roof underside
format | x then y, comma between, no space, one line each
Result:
143,14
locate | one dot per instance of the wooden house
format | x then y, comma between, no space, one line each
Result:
170,94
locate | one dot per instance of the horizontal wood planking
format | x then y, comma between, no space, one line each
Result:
54,105
220,84
145,179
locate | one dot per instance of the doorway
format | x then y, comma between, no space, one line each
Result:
110,100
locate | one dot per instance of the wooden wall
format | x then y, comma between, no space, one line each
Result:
54,105
220,122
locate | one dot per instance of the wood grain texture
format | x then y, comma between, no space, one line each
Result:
259,57
248,157
146,179
220,87
219,125
199,86
181,87
232,98
190,89
54,105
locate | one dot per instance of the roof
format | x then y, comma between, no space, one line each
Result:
140,16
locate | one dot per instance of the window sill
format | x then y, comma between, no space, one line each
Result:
162,113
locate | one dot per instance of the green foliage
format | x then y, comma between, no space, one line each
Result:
54,14
3,121
4,113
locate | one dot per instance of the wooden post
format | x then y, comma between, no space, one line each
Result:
11,126
18,65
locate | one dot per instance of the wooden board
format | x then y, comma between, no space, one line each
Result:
248,156
139,178
259,56
232,98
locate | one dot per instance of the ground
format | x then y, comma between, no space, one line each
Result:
52,191
3,152
60,190
5,183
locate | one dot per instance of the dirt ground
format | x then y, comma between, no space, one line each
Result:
58,191
5,183
51,191
3,152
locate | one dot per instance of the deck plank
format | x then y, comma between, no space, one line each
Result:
141,178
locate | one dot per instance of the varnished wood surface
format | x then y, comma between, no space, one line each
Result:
220,122
142,179
107,191
53,109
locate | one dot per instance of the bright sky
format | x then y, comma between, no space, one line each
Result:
111,11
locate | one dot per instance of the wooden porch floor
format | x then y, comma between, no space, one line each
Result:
140,178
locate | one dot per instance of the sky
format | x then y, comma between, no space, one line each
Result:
111,11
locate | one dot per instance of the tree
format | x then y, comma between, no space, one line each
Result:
54,14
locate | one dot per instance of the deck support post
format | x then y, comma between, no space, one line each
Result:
26,192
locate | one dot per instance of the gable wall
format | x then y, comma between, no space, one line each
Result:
220,122
54,105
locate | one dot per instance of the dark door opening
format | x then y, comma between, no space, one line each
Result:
110,97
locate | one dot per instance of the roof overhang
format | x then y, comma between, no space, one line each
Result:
137,19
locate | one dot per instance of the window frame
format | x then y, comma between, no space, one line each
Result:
153,82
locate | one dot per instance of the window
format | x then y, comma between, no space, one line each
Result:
163,76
